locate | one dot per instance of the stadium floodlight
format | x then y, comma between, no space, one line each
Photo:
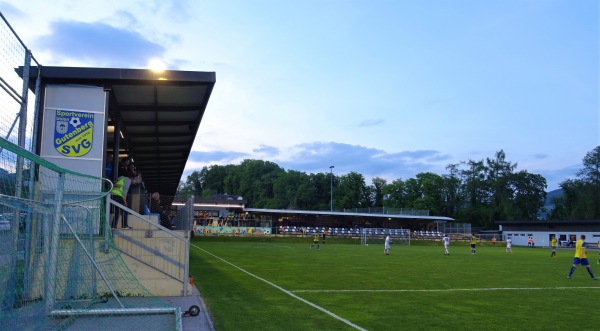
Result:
331,189
156,65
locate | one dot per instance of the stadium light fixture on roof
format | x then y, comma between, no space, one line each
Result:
156,65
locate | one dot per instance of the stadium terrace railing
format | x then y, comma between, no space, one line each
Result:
164,250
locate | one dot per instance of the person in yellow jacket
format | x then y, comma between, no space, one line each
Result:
119,195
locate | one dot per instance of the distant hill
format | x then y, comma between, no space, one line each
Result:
553,194
549,205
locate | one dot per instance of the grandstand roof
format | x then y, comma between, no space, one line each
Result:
559,225
159,115
548,222
282,212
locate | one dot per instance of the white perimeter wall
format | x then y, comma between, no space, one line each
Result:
542,238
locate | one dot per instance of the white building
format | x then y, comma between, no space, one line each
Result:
543,231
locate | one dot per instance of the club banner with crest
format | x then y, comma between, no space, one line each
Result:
74,127
73,133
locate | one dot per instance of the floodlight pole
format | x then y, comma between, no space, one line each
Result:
331,189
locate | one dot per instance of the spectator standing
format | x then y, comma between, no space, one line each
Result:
123,166
156,209
119,194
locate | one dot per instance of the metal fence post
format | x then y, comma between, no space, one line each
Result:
52,262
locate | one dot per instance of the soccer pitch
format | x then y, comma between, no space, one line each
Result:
281,284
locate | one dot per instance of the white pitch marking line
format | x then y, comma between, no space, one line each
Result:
285,291
455,289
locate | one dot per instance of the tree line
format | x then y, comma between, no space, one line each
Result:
581,196
477,192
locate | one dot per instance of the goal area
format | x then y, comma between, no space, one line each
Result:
375,236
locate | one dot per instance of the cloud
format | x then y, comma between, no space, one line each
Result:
316,157
426,155
266,150
555,177
540,156
371,162
371,122
10,11
98,43
216,157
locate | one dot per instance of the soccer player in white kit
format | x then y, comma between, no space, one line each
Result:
508,245
446,241
386,250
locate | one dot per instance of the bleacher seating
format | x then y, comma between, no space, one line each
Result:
356,232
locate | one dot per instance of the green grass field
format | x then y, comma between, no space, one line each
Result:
281,284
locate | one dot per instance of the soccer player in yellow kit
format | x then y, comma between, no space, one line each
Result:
473,243
553,246
316,242
581,258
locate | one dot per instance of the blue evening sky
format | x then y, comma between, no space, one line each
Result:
382,88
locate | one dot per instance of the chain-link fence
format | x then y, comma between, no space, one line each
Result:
16,106
457,228
171,212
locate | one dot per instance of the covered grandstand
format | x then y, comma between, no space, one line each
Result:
350,220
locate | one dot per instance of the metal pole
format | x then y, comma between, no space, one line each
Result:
52,262
189,223
107,220
31,184
9,298
331,189
116,149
